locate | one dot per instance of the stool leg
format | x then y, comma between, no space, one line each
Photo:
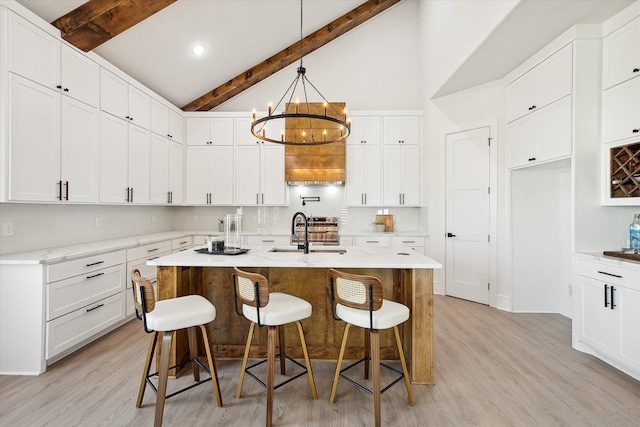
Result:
303,342
163,373
281,349
337,374
367,352
404,365
244,360
193,352
212,366
375,361
147,368
271,368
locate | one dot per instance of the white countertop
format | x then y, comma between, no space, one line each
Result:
599,256
64,253
259,256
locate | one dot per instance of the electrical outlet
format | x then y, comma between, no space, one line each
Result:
7,229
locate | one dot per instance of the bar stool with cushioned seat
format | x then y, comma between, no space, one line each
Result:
273,310
358,300
163,318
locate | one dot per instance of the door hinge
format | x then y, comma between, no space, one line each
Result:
488,237
489,141
488,286
488,190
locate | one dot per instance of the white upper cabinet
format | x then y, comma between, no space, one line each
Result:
166,122
547,82
401,175
33,53
79,76
541,137
166,171
210,131
621,111
621,54
401,130
365,130
123,100
210,175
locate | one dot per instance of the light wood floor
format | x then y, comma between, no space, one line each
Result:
491,369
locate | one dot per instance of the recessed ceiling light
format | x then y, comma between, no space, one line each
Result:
198,49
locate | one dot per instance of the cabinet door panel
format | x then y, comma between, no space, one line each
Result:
159,173
113,159
176,172
79,153
139,168
34,135
521,137
621,111
247,175
113,94
139,107
372,175
392,168
80,76
554,130
599,323
197,175
159,118
554,77
198,131
621,55
272,177
176,127
221,171
411,175
32,53
520,96
628,302
354,186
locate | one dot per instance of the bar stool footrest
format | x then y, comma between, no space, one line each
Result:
180,365
363,388
276,386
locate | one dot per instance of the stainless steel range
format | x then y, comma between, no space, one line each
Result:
323,230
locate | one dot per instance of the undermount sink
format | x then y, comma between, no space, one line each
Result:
311,250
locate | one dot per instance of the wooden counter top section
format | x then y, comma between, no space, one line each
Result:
406,276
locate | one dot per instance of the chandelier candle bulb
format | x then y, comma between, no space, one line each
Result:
270,106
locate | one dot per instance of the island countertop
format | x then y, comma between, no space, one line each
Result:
261,256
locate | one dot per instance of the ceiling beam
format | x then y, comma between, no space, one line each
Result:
291,54
97,21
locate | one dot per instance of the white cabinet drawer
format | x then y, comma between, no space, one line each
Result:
67,295
409,241
372,240
149,251
77,326
269,240
346,241
180,244
611,273
86,265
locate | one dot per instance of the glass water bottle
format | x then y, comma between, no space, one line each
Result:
634,234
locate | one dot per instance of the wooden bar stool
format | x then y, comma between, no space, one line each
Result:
273,310
163,318
357,300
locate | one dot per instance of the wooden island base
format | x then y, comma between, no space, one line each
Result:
228,332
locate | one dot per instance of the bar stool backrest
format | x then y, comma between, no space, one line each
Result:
251,289
355,291
144,298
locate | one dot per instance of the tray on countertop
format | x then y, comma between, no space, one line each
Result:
236,251
633,257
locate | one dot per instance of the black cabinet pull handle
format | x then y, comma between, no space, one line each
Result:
58,87
95,275
612,291
532,159
451,235
610,274
636,70
95,263
59,190
66,89
66,186
606,295
636,130
96,307
153,250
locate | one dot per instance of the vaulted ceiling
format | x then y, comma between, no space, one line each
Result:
248,40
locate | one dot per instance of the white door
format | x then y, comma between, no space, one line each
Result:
468,215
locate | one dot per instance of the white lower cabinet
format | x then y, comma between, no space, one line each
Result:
84,297
607,305
417,243
372,240
276,240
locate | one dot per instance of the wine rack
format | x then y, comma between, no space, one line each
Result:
625,163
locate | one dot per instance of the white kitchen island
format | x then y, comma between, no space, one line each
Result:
406,276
